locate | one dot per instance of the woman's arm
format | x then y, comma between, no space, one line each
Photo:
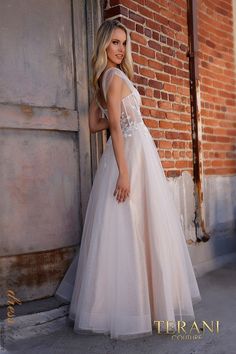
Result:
114,112
96,123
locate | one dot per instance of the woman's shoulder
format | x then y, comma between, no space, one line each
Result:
114,71
108,76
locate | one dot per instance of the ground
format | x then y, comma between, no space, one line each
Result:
218,291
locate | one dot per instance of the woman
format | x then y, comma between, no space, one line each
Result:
133,267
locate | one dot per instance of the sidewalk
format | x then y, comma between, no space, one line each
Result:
218,291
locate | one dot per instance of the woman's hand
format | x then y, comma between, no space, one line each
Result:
122,190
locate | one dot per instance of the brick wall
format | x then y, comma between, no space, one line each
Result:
159,49
217,83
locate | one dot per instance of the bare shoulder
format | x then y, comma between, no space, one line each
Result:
115,86
113,82
114,71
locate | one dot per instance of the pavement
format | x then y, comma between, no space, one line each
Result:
54,334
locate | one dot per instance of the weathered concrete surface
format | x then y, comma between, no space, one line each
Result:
220,203
182,189
36,53
39,274
39,209
39,203
218,290
40,146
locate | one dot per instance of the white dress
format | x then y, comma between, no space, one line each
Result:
133,266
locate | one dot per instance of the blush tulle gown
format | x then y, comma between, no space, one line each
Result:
133,266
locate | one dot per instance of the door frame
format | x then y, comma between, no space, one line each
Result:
86,18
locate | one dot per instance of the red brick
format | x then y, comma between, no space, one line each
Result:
182,126
144,11
178,144
155,84
157,94
162,76
152,123
149,102
168,154
152,5
165,124
147,72
148,32
129,24
164,105
155,35
169,69
174,25
173,116
134,47
178,107
169,42
135,17
149,92
127,3
153,25
155,65
138,38
141,80
161,19
164,96
168,164
182,164
171,135
116,10
154,45
176,63
156,113
169,87
139,59
165,144
162,57
157,134
139,28
147,51
173,173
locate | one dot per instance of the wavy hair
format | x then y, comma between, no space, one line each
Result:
99,56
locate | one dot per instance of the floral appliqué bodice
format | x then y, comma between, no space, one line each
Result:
131,118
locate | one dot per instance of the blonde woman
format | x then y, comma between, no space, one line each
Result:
133,266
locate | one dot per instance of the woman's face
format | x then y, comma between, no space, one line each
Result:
116,48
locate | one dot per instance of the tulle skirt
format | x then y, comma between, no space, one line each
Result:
133,266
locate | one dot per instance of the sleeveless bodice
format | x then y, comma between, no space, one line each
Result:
131,118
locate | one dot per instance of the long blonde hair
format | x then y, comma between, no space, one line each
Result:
99,57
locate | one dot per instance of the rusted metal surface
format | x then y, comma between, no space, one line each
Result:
196,120
34,275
